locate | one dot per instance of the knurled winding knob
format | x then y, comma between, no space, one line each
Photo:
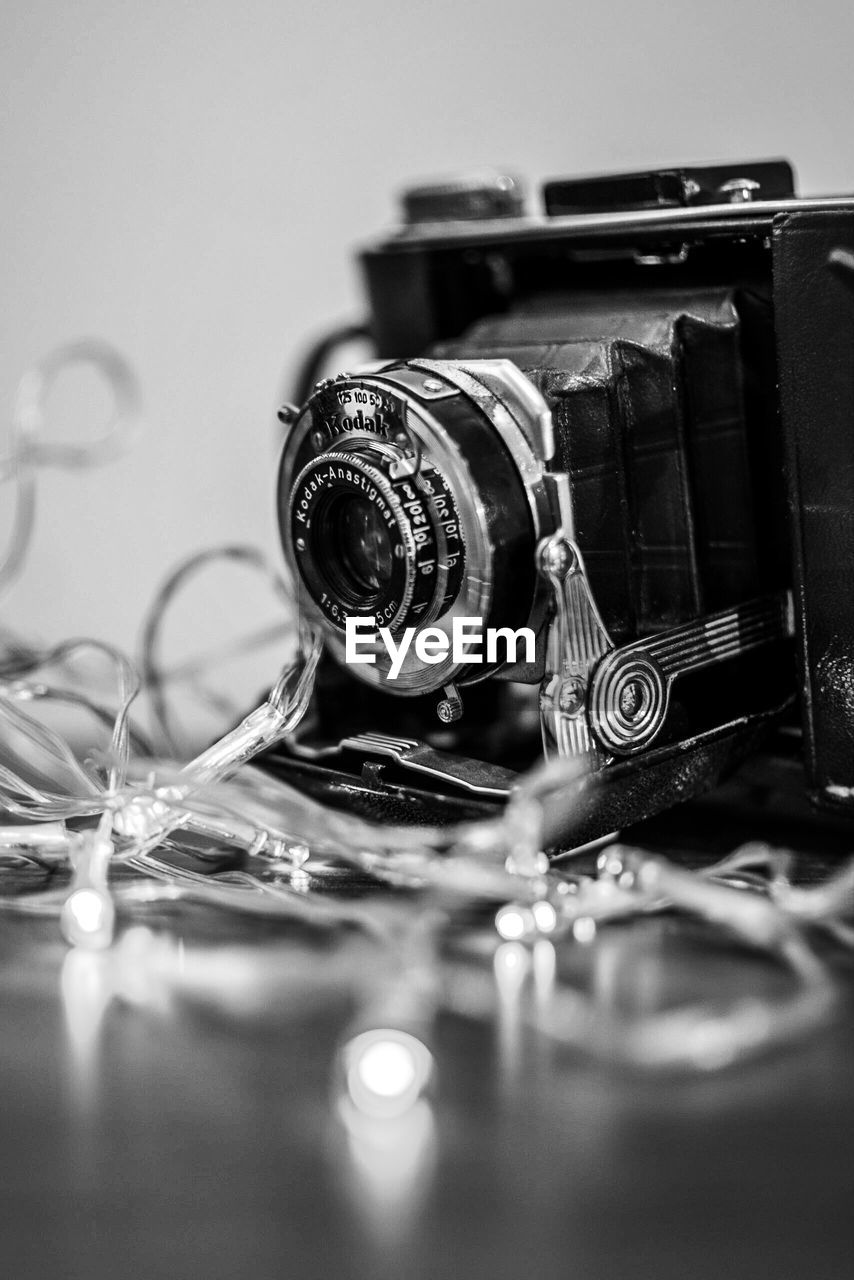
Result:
473,196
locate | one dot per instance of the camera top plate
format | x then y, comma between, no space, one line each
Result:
693,223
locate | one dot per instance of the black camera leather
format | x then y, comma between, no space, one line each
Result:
647,390
814,311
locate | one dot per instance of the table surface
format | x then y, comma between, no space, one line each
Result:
184,1120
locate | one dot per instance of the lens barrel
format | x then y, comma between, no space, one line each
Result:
414,495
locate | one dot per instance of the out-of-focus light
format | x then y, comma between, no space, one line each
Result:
87,991
143,965
609,864
88,918
545,969
713,1042
299,854
513,923
584,930
300,880
390,1166
387,1071
526,862
87,908
545,916
511,963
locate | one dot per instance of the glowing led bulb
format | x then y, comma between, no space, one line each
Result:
584,930
545,916
513,922
526,863
138,817
87,919
387,1071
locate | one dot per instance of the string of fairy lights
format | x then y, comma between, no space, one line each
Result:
97,836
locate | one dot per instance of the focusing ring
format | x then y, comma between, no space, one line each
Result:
419,519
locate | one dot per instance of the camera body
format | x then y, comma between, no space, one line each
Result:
587,433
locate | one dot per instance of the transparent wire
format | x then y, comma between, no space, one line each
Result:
156,679
41,776
156,809
29,448
219,832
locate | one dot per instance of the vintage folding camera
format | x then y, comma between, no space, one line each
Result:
607,442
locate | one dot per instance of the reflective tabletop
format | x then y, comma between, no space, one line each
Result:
177,1107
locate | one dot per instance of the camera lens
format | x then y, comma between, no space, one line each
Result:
364,545
352,550
413,497
372,540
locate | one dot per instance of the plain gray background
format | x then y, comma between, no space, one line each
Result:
189,182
